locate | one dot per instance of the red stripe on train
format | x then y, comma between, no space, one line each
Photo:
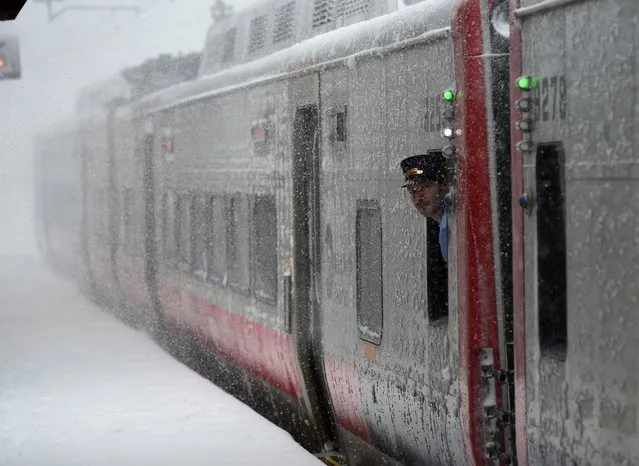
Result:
262,350
131,277
343,382
475,265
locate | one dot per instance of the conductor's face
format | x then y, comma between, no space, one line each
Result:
428,199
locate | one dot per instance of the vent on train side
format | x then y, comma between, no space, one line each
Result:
322,12
276,24
257,34
284,22
348,8
327,11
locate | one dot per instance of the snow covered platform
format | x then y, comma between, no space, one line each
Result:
77,387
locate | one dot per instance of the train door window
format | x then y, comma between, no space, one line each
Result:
368,243
200,230
184,231
340,125
217,239
265,247
437,276
168,226
238,243
551,249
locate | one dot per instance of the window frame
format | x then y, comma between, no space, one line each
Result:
200,230
231,235
372,335
184,263
169,244
255,256
223,199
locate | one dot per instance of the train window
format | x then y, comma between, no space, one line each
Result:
183,230
265,247
130,218
217,239
122,212
101,212
238,243
368,233
179,206
229,45
340,125
168,226
261,136
551,250
124,219
95,212
200,222
257,32
437,276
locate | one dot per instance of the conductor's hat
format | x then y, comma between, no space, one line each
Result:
423,169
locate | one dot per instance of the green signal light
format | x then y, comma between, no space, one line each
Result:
448,95
526,83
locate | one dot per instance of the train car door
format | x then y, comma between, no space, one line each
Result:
112,199
144,183
86,280
575,186
304,113
150,244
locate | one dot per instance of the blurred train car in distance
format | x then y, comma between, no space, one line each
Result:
58,199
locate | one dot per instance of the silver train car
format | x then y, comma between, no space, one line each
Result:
574,239
255,216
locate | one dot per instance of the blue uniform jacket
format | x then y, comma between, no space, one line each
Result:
443,235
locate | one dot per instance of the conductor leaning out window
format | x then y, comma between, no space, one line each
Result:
426,181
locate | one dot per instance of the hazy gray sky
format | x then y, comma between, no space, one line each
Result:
81,47
58,58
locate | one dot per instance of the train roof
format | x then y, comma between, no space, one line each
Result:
422,19
273,25
99,95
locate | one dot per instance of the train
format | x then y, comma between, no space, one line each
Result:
255,215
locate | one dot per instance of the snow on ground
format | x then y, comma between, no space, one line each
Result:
77,387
